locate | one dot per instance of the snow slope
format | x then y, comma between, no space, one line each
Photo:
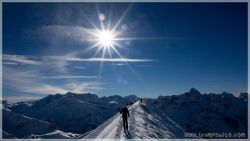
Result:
22,126
77,113
206,113
57,134
145,122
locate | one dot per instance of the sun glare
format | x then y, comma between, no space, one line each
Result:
106,38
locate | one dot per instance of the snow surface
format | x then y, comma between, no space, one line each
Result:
26,127
113,102
21,126
145,122
57,134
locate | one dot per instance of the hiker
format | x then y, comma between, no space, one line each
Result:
141,100
125,115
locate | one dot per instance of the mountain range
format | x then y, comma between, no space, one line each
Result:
73,115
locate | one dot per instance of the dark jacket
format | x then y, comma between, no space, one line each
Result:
124,112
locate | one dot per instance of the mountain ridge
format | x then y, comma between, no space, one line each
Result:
82,113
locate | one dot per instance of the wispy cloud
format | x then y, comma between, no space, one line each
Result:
19,59
31,81
70,77
10,63
30,74
38,60
83,87
71,33
37,74
15,99
120,64
68,58
19,83
32,77
79,67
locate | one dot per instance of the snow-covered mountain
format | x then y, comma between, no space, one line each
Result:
70,112
145,122
174,116
22,126
88,116
206,113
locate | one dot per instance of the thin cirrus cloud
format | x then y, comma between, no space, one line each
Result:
43,88
79,67
32,82
60,76
19,59
73,33
22,59
36,74
18,82
79,59
70,77
22,80
15,99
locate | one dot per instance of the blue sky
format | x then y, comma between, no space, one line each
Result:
163,48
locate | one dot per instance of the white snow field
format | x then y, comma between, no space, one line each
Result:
57,134
145,122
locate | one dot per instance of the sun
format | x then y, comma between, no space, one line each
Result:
106,38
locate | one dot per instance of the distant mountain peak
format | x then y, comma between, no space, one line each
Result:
243,95
194,91
80,94
70,93
131,96
226,93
